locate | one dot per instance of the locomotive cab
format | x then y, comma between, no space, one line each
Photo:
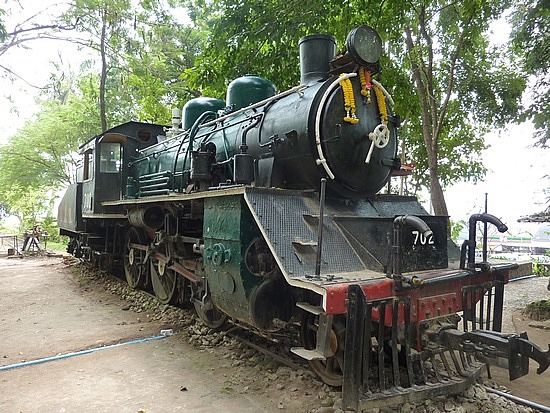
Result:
106,158
102,173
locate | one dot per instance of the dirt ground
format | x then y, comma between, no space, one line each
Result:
45,312
517,295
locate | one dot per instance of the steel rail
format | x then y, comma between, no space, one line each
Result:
267,352
519,400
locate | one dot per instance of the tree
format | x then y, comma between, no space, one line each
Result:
3,32
28,206
456,73
530,39
41,156
156,57
447,82
106,23
143,53
138,77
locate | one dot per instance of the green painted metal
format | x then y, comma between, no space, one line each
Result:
228,231
196,107
247,90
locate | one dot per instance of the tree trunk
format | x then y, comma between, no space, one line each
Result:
423,77
103,79
436,193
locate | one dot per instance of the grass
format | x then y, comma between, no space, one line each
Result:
57,246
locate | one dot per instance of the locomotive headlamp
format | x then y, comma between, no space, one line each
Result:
364,45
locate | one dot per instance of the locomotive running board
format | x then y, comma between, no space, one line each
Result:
366,379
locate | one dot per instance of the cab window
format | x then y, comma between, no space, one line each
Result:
88,172
79,172
110,157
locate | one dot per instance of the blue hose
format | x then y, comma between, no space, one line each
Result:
78,353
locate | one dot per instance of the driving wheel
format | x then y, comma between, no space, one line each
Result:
135,267
164,280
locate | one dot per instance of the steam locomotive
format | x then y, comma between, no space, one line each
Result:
265,210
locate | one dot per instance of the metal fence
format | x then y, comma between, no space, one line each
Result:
10,244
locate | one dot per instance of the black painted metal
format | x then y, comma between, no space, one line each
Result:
482,306
316,52
380,342
474,219
360,231
397,249
394,349
243,168
320,227
510,351
367,355
498,306
356,336
408,360
155,184
69,215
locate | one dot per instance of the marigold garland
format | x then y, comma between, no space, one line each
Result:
349,100
381,99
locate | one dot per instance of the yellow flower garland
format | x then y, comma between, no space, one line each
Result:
381,99
349,100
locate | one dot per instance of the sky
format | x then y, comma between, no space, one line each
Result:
514,182
33,64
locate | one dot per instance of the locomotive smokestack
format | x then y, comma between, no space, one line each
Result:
316,52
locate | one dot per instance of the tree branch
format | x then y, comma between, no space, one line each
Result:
450,82
16,33
11,72
423,92
428,72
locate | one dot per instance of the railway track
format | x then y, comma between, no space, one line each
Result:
142,300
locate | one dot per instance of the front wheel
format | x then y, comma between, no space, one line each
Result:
209,314
331,370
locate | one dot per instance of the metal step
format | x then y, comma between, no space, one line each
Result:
308,354
316,310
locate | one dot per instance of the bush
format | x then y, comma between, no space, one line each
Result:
49,225
540,269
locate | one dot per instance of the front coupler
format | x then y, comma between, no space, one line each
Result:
510,351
